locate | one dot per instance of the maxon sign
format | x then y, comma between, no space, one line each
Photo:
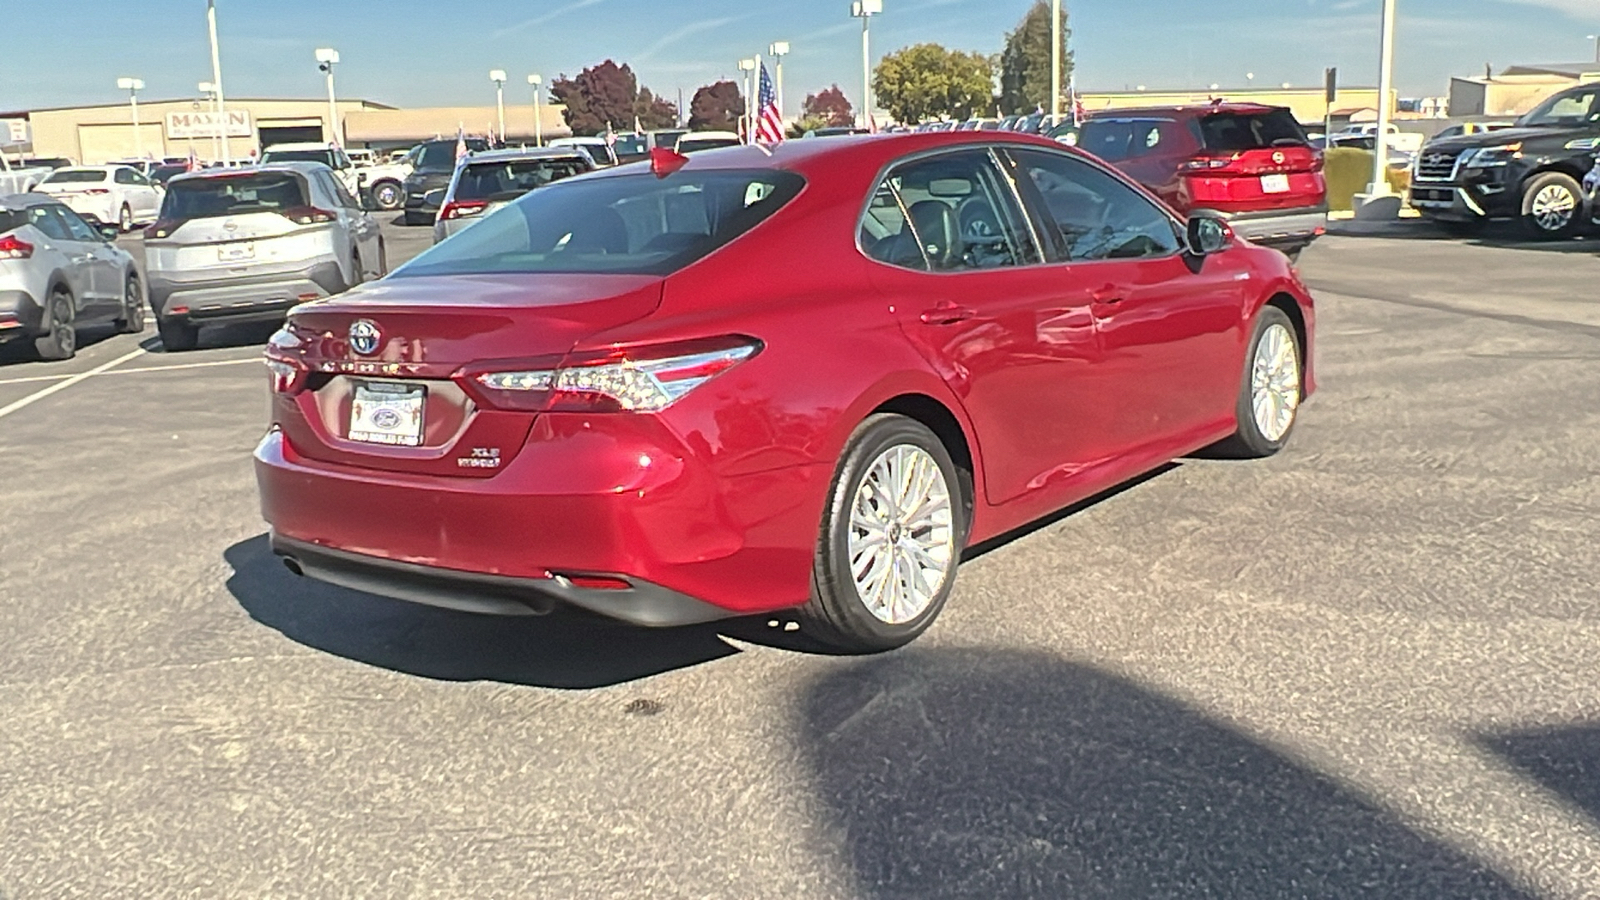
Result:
204,124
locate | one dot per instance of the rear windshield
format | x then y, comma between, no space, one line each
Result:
75,176
231,195
692,145
667,139
510,180
11,220
1251,131
632,224
630,146
277,156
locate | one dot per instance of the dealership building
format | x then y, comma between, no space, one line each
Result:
90,135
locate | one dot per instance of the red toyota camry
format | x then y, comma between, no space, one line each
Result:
755,380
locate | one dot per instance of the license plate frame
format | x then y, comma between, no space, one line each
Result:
236,252
388,413
1275,184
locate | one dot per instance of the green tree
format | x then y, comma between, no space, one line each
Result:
1025,62
926,81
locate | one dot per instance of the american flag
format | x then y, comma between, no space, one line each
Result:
769,121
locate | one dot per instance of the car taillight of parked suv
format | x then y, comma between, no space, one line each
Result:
1253,164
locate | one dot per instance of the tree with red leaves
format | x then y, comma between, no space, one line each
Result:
831,107
716,107
609,96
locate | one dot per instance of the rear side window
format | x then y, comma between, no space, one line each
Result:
509,180
634,224
11,220
1115,140
76,176
231,195
1233,131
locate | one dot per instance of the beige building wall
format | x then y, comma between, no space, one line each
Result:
1308,104
399,126
95,134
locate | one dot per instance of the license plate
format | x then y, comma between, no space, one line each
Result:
387,413
236,252
1274,184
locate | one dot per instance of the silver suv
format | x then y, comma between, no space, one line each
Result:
484,182
248,245
58,273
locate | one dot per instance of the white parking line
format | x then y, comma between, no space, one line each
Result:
34,378
200,365
63,385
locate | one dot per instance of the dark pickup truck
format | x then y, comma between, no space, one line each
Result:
1532,172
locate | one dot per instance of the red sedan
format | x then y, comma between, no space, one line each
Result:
801,378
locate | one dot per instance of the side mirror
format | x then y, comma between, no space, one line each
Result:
109,232
434,197
1208,233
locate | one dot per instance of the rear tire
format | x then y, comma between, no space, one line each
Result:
1552,207
879,553
60,340
125,219
176,336
132,321
1272,389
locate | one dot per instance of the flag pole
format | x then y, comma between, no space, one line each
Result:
1055,63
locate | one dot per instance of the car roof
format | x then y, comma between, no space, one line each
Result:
26,201
708,135
1192,109
108,167
303,145
559,152
302,167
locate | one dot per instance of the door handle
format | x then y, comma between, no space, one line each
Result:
1108,295
946,314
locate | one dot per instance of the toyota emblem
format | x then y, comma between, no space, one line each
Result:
1278,157
364,336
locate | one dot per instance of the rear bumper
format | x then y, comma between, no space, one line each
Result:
630,505
1281,228
245,298
21,315
99,209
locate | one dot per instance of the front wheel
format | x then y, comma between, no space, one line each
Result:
1551,207
388,196
890,542
1269,398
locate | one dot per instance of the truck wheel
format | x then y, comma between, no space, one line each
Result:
1551,207
388,195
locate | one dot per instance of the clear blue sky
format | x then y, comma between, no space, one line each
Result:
412,53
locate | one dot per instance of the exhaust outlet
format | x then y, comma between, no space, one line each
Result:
293,565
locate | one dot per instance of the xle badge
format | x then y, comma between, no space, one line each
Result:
481,458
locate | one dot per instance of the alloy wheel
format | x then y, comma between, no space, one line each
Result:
902,540
1275,382
1553,207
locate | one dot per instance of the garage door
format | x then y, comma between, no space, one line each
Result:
103,143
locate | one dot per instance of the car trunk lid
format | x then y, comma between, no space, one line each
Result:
401,344
1254,160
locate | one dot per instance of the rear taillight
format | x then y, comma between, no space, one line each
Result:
287,377
13,247
1211,163
162,228
462,210
307,215
645,379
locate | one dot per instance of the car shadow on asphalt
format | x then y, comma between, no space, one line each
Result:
1505,235
220,337
1564,759
20,351
566,649
1004,774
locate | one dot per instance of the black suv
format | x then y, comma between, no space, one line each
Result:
433,163
1531,172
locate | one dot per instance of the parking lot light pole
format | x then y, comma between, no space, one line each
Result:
1380,147
209,91
1055,63
327,58
1596,39
747,119
538,126
133,86
216,82
865,10
779,50
498,76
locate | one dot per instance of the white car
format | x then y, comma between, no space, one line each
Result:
109,194
384,182
695,141
602,154
19,179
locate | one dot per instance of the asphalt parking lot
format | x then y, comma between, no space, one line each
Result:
1369,667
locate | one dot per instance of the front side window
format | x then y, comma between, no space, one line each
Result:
627,225
1094,213
77,227
50,223
1115,140
947,213
1578,108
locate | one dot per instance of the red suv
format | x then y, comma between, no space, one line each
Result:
1251,163
757,379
